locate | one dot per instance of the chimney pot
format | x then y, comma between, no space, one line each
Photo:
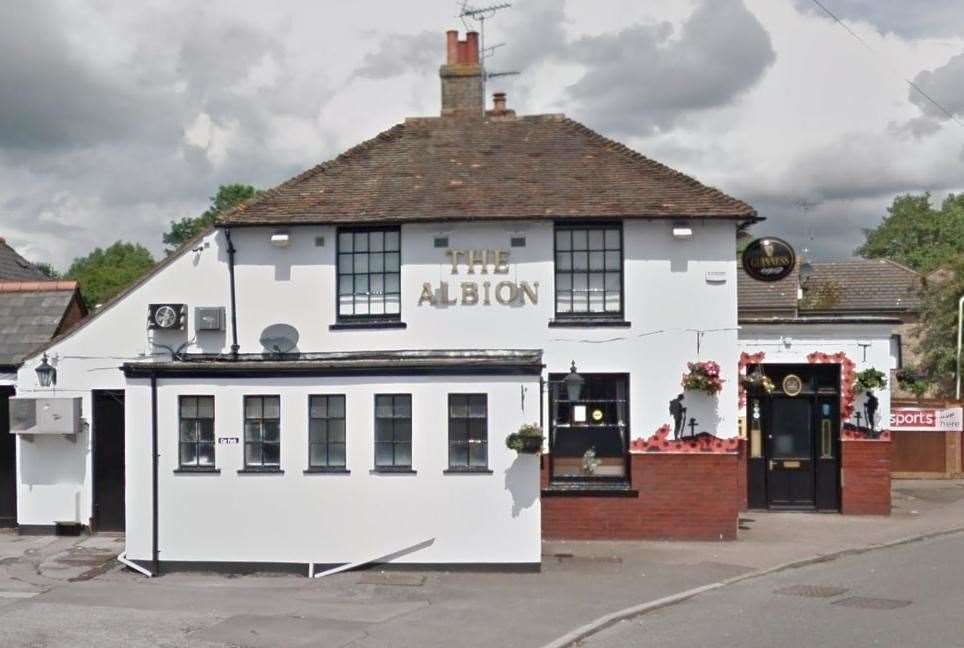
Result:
472,47
498,100
452,46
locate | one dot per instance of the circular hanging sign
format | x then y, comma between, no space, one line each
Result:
792,385
769,259
597,415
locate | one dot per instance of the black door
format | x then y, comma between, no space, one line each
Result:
8,463
108,461
790,466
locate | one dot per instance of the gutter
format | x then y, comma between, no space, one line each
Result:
234,305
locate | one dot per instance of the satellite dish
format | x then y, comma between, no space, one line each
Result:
279,338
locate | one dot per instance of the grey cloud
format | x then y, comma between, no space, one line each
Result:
647,77
402,53
945,85
907,18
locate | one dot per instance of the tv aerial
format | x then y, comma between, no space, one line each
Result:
481,14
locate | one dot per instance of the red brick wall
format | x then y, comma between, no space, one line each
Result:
680,497
865,475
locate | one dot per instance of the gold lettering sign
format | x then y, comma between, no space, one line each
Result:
792,385
472,293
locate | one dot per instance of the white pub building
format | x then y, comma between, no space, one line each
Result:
329,375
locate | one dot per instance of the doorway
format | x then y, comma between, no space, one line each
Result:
794,434
8,463
108,451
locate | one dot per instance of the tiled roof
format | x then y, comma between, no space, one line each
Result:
29,319
442,168
767,296
14,266
861,285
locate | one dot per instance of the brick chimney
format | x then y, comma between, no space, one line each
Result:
462,77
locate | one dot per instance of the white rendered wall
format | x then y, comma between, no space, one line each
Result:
668,298
335,518
867,345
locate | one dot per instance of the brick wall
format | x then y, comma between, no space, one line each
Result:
865,476
679,497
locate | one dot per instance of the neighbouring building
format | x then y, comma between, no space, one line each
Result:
33,310
329,375
837,319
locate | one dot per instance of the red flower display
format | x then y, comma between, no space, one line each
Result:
660,442
702,376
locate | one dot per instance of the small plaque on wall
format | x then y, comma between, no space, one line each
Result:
228,440
579,413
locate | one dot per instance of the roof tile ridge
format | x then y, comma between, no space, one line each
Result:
36,285
383,136
625,151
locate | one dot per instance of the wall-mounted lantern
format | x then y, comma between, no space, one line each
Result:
46,373
574,383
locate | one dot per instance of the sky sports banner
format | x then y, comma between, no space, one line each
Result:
927,419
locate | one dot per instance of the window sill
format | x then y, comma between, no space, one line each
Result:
467,471
261,471
392,470
326,470
589,322
589,489
187,470
372,324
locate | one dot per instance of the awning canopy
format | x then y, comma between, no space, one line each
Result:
464,362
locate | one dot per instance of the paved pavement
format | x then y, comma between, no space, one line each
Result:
902,597
69,592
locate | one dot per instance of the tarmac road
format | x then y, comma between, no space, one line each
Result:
906,596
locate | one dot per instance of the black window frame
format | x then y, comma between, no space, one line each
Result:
327,466
587,314
260,467
468,418
395,443
354,317
197,466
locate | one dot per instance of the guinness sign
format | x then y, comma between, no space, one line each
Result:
769,259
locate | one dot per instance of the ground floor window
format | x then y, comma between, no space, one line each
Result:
196,432
589,435
262,431
468,431
393,432
326,432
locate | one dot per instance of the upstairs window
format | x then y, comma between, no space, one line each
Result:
369,273
197,432
589,270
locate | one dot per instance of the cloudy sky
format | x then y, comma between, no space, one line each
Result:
118,116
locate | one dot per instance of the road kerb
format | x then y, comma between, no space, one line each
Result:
603,622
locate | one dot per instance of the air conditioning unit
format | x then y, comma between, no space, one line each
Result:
209,318
171,317
29,416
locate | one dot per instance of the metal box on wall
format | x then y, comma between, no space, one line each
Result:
209,318
45,416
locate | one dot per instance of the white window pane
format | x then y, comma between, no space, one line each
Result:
336,430
596,302
477,407
563,240
377,306
612,281
188,430
391,240
188,407
377,262
272,407
252,454
271,453
376,284
205,407
344,263
403,454
188,454
318,407
580,240
345,285
376,241
392,305
563,261
596,260
336,455
564,281
391,262
384,454
458,406
361,306
205,428
477,454
344,242
361,263
252,407
596,281
361,241
317,431
345,306
383,406
612,239
206,454
563,299
361,284
580,282
580,260
252,431
336,406
391,283
403,406
596,240
612,260
318,454
612,302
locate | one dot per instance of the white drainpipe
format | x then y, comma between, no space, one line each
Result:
133,565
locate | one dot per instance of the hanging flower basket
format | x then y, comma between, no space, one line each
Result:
702,377
528,440
869,380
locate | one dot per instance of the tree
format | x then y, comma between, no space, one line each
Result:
917,235
228,197
104,273
47,270
938,329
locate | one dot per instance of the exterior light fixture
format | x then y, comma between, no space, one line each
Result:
756,376
574,383
46,373
806,271
682,231
280,239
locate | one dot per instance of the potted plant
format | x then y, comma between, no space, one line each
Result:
869,380
528,440
702,377
759,380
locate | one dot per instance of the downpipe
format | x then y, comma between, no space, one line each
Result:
122,558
